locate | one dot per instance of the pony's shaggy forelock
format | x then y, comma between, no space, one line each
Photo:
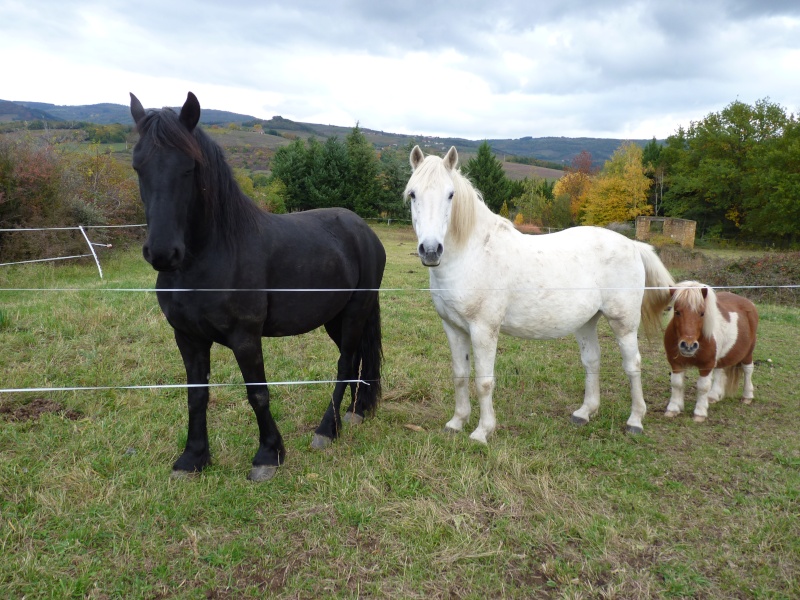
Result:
465,197
688,295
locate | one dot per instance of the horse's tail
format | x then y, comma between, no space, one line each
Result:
732,376
370,358
656,297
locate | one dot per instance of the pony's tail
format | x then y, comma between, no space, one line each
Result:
732,376
370,357
655,300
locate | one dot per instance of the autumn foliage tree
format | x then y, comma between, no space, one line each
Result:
572,187
43,185
620,191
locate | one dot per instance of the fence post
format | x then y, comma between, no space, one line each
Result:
91,248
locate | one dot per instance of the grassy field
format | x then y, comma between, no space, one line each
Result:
397,508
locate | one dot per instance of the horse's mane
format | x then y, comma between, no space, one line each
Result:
689,294
466,199
222,200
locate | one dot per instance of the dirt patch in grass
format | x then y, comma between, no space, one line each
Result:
36,408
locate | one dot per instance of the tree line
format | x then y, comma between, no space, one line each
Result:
736,172
351,174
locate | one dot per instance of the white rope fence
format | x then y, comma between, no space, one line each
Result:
93,254
82,229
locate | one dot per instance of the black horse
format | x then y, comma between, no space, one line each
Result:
222,262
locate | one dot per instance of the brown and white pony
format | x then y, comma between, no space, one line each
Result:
715,332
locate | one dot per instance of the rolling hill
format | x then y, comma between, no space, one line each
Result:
558,150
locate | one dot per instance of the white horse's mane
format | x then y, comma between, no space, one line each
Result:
689,294
466,199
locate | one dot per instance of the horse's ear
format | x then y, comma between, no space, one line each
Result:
672,292
190,112
137,110
416,157
704,291
451,159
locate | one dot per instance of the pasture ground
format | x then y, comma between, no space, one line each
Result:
396,508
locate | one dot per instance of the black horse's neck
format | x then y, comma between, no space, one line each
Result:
224,211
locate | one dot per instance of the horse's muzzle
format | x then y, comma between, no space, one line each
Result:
167,261
430,255
688,349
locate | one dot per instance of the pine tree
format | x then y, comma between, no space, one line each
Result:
487,175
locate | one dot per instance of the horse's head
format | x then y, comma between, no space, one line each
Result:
431,190
165,159
688,315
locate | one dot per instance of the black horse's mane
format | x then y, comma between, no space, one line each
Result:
227,208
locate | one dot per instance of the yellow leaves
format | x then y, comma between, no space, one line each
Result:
619,192
734,216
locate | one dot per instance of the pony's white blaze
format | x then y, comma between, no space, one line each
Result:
489,279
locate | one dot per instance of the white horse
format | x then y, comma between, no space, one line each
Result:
487,278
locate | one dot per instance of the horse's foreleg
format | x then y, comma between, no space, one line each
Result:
747,392
484,347
590,357
460,350
196,356
701,405
675,405
271,452
717,386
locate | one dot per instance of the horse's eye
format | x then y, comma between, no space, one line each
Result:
412,195
702,314
450,197
677,313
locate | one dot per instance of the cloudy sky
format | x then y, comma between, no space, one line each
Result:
466,68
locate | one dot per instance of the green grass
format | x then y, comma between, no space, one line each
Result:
547,509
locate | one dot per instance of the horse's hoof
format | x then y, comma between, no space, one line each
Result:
450,430
698,418
747,400
481,439
634,429
262,473
320,442
352,418
578,420
671,414
712,400
177,474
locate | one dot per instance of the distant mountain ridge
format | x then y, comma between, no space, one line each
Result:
554,149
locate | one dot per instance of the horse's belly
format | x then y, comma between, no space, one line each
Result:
546,321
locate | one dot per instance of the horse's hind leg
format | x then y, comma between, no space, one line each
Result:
331,424
590,357
747,392
271,452
718,382
632,364
346,333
